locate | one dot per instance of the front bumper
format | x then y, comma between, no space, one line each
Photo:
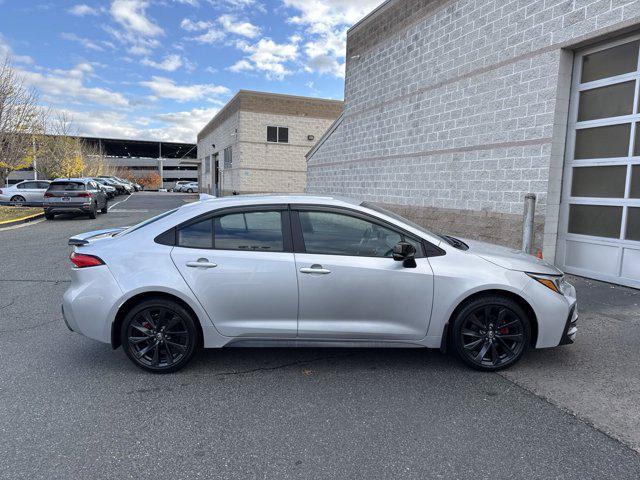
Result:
571,327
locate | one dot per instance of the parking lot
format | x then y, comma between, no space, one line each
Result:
74,408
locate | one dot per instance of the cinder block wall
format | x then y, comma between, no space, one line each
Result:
454,110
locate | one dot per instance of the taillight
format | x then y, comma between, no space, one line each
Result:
84,194
82,260
48,194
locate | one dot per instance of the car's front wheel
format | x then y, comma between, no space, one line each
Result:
159,336
491,333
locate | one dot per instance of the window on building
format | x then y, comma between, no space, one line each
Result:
207,164
278,134
253,231
228,158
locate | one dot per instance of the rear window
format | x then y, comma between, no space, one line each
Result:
60,186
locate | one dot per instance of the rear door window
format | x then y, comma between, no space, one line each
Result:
252,231
196,235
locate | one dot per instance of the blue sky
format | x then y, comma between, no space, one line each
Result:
160,69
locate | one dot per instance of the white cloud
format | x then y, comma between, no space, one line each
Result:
6,52
326,23
163,87
131,14
210,37
192,3
82,10
85,42
245,29
191,26
170,63
136,29
268,56
182,126
69,86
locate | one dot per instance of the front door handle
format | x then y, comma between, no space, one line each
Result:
317,269
202,263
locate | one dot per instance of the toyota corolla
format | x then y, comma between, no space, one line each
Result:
309,271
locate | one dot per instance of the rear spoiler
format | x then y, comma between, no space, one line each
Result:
84,238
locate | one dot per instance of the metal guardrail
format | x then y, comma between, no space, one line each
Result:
22,204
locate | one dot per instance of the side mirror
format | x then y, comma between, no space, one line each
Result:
406,253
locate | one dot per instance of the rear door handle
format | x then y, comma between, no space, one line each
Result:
317,269
202,263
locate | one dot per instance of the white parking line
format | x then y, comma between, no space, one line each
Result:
118,203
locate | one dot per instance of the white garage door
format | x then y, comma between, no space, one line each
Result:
599,233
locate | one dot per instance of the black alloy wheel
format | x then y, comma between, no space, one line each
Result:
159,336
491,333
93,213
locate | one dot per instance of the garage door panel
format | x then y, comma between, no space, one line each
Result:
631,263
591,256
599,227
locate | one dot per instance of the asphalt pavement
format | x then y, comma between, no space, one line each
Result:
74,408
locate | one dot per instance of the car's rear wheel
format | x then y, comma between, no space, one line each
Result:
159,336
49,216
18,199
105,209
491,333
93,213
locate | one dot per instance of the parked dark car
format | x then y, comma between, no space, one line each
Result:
108,187
74,195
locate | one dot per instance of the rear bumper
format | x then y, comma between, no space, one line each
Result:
67,208
87,303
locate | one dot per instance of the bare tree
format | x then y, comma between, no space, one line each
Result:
20,120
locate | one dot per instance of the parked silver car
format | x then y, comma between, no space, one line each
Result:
74,195
25,192
191,187
309,271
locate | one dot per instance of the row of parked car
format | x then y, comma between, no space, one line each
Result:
69,195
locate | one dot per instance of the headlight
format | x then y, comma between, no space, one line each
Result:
552,282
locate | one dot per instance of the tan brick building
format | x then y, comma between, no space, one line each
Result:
257,143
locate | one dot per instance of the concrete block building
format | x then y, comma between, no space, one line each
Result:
258,141
456,109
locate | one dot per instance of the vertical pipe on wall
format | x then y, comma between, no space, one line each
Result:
527,223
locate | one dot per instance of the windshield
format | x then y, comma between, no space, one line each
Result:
146,222
400,218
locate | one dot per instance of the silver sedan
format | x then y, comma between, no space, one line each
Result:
309,271
25,192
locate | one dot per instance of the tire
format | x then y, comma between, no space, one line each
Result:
189,190
93,213
18,199
49,216
105,209
491,333
159,336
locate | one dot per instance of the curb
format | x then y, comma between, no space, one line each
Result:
18,221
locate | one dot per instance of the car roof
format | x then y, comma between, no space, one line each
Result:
74,179
278,198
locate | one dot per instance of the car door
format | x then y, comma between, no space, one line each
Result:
240,265
349,285
28,190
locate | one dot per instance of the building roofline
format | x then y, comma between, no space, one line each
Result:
236,103
374,13
324,137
